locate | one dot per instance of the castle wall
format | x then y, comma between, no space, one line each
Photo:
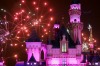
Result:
59,61
34,47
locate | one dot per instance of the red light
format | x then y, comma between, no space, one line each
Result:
28,34
45,30
34,3
27,17
37,8
95,41
16,13
50,9
23,10
22,45
16,18
45,3
41,16
23,1
48,24
89,39
51,18
17,37
18,32
25,27
46,33
11,44
42,36
84,38
26,30
82,34
15,44
16,56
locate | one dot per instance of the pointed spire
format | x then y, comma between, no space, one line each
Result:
34,37
49,42
32,59
63,37
75,1
57,22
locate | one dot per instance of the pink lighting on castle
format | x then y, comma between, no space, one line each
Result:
75,6
33,47
64,55
55,61
72,61
56,26
75,19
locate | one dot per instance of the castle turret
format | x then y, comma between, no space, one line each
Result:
56,25
33,45
64,44
76,25
56,29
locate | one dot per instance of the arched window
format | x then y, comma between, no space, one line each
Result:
64,47
42,55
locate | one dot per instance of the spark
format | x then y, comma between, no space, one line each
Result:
50,10
37,8
18,37
22,45
45,30
23,11
11,44
42,36
16,44
27,17
17,13
16,56
42,16
46,33
16,18
48,24
45,3
23,1
51,18
34,3
24,20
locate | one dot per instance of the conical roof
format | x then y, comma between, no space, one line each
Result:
33,37
63,31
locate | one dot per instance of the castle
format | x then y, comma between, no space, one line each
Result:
65,49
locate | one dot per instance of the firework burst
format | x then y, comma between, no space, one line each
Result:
32,14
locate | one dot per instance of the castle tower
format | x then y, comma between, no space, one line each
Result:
56,29
64,44
33,45
76,25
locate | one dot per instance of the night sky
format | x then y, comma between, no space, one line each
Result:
90,12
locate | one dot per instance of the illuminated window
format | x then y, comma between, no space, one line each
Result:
64,47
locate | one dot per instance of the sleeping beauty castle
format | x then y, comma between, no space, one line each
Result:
66,49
